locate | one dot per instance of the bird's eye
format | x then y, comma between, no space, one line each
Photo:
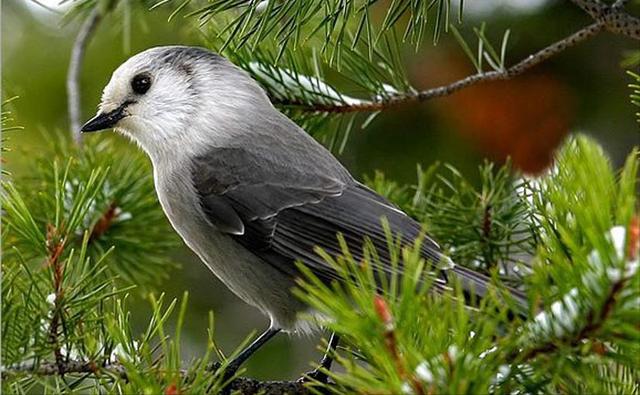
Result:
141,83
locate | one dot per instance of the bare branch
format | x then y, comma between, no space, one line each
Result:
75,67
610,18
613,17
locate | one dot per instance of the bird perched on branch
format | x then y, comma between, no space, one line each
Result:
248,190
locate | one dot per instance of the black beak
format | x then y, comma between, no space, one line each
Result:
105,120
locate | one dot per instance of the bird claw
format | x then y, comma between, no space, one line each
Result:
227,375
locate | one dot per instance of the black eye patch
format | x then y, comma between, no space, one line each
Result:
141,83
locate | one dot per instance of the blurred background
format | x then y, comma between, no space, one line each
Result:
582,90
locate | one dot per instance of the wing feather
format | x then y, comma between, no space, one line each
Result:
283,215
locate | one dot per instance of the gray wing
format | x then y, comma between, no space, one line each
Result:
282,215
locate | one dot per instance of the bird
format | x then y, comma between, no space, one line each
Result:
250,191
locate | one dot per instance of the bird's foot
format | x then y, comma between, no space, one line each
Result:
229,372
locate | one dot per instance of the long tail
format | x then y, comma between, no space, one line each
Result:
474,283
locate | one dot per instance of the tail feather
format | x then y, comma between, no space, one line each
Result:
478,284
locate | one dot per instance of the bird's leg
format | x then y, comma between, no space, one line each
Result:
235,364
325,363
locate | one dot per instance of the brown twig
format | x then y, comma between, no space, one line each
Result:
391,343
75,67
607,18
55,247
104,222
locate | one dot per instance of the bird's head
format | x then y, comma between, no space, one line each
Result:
175,96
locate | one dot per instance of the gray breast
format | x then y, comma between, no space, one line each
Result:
248,276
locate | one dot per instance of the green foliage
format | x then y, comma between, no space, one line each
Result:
486,51
574,227
6,125
630,59
62,301
493,222
77,234
70,193
336,23
585,285
92,331
396,333
635,92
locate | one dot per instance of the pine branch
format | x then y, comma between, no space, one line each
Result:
75,67
608,18
6,125
293,22
595,321
387,316
56,248
446,90
634,96
493,223
592,296
124,212
244,385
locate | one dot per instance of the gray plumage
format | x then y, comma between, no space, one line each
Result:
248,190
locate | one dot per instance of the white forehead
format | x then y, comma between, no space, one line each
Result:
119,85
168,60
135,64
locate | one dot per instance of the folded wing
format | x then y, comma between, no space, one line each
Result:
282,216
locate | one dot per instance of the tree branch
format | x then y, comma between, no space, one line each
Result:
244,385
55,247
595,321
75,67
610,18
613,17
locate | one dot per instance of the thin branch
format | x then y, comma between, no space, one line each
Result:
613,17
595,321
243,385
75,67
445,90
55,247
610,18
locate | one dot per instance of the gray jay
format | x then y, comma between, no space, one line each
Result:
247,189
